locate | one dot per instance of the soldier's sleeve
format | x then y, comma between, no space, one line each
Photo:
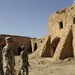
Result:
5,54
22,55
14,60
26,56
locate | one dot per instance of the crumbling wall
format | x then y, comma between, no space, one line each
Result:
61,24
18,42
34,44
40,45
67,50
73,44
45,48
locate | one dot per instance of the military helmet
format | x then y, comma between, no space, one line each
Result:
9,39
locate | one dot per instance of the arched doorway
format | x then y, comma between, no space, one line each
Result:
19,50
54,45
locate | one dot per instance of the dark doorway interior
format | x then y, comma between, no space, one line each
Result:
35,46
74,20
54,48
54,45
19,50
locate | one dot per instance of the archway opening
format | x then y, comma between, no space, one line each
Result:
19,50
54,45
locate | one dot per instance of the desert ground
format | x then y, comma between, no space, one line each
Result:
44,66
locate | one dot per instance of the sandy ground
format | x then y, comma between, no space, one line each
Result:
44,66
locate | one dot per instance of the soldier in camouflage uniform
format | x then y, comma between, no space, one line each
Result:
24,62
8,57
1,65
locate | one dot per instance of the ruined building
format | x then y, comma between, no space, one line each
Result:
60,42
18,42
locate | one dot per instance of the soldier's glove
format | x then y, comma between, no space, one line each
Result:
14,72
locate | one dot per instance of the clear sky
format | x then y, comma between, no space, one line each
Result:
28,17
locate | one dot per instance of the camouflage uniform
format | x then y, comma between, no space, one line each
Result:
8,60
24,63
1,64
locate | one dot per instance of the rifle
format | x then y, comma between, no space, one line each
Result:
29,64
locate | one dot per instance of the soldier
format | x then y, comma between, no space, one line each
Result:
24,62
8,57
1,65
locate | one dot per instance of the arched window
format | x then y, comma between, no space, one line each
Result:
74,20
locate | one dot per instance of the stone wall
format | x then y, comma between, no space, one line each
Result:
35,43
18,42
61,31
61,25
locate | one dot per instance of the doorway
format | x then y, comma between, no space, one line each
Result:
54,45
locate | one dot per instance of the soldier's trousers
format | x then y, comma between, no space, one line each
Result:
8,72
1,69
23,70
1,72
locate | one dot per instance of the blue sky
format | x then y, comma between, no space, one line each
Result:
28,17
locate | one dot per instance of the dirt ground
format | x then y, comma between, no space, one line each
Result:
44,66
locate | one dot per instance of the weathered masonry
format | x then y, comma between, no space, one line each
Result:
18,42
60,42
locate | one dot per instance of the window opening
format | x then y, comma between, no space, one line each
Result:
74,20
61,25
